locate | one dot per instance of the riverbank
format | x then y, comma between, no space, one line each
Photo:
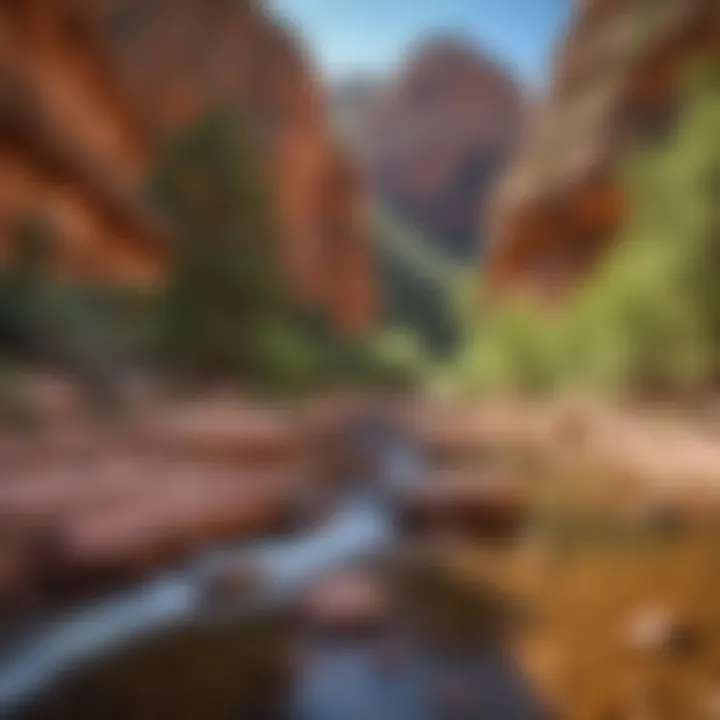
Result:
89,504
613,583
593,527
673,449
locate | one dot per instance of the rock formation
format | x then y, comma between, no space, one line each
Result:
434,138
616,86
70,148
87,87
184,58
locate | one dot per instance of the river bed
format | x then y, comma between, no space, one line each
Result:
173,648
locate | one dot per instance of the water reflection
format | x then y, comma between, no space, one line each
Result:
358,681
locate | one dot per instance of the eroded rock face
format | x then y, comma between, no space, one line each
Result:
186,58
434,139
71,530
87,87
616,86
70,147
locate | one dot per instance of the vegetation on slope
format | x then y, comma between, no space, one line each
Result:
227,313
224,315
649,319
423,288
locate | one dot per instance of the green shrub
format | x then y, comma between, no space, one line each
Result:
649,318
46,321
224,289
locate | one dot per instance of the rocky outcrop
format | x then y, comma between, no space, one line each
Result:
347,603
186,58
616,86
70,147
87,87
87,507
434,138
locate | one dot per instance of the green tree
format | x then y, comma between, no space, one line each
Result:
649,318
224,289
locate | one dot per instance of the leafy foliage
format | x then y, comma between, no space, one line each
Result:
420,282
650,317
46,321
226,315
224,290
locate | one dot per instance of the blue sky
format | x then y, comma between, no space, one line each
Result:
350,37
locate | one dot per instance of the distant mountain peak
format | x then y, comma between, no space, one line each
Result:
434,134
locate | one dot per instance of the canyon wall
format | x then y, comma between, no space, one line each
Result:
184,58
616,86
88,88
70,147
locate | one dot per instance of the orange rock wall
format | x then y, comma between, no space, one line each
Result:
87,86
183,58
615,86
70,149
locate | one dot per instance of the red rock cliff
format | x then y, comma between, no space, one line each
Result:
183,58
616,85
70,148
87,85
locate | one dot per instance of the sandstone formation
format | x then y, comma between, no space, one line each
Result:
616,86
70,147
433,139
85,507
87,88
186,58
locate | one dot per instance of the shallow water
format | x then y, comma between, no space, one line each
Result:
354,682
168,649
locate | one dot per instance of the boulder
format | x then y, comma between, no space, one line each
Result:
466,503
351,602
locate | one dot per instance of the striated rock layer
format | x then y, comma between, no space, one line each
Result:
184,58
70,146
86,87
616,86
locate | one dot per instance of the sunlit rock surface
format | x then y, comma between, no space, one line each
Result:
88,88
71,148
185,58
616,85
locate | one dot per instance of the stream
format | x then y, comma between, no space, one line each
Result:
170,649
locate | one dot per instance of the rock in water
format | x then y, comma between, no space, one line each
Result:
352,602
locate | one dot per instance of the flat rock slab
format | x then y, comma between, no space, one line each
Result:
85,526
